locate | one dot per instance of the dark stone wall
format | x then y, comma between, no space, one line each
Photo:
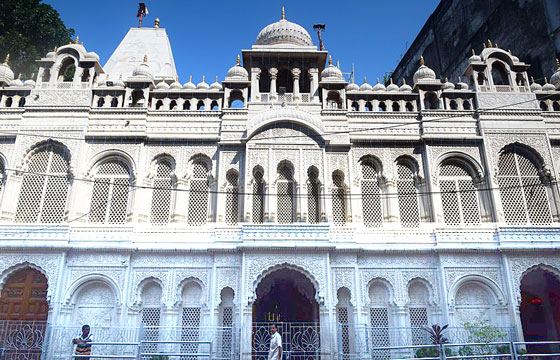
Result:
530,28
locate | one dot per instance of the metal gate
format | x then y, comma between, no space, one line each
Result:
300,340
22,339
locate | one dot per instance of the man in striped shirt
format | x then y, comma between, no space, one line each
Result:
83,343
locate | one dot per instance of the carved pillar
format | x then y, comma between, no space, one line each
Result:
392,203
314,86
255,78
273,76
181,201
78,75
296,73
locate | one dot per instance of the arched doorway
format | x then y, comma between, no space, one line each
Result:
286,297
540,308
23,314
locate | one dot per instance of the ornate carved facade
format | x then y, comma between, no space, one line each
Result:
144,200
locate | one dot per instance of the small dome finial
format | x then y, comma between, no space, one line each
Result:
473,52
145,58
7,59
459,79
77,41
238,59
203,78
557,64
378,80
55,48
532,80
545,80
446,79
190,78
156,23
421,60
496,45
490,43
330,60
403,81
283,13
365,80
391,80
216,78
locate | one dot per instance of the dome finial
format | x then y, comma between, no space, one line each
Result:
490,43
421,60
496,45
55,49
7,59
557,64
156,23
446,79
403,81
473,52
283,13
330,60
365,80
378,80
391,80
203,78
545,80
532,80
216,78
238,60
77,41
190,78
145,58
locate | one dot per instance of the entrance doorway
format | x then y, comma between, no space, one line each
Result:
540,308
286,298
23,314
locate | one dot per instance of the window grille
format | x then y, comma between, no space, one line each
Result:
198,197
258,198
151,321
339,208
232,198
109,201
379,320
371,195
342,313
418,322
44,189
458,195
313,210
190,331
523,194
161,194
285,199
227,338
407,196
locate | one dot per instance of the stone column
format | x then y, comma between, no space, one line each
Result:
314,86
255,77
78,75
296,73
392,214
273,76
181,201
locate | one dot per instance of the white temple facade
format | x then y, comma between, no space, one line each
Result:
283,193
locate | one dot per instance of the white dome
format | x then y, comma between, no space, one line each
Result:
216,85
448,85
392,87
555,78
237,72
535,86
176,85
379,86
29,83
423,72
548,86
405,87
162,85
365,86
352,86
331,72
16,83
474,57
119,82
284,32
190,85
202,84
6,74
143,70
462,85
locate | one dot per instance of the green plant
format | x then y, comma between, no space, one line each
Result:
436,334
484,333
427,352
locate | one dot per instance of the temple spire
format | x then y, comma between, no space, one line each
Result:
283,13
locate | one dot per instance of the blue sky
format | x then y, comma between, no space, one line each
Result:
206,36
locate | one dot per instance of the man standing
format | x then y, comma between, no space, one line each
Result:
275,352
83,343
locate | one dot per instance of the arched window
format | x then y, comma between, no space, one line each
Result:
191,316
382,106
333,100
226,314
46,75
396,107
115,101
473,303
431,101
21,102
9,102
109,199
214,105
95,303
159,104
338,198
137,97
151,314
45,186
236,100
459,194
544,106
284,81
409,106
258,196
187,105
172,105
418,297
264,81
371,195
232,197
499,74
520,80
198,195
285,190
200,105
313,189
85,75
523,193
407,195
355,106
369,106
379,315
556,106
453,105
466,105
344,313
481,78
67,70
100,101
164,183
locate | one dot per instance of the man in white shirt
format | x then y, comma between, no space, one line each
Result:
275,352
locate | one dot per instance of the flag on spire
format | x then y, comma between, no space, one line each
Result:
142,11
